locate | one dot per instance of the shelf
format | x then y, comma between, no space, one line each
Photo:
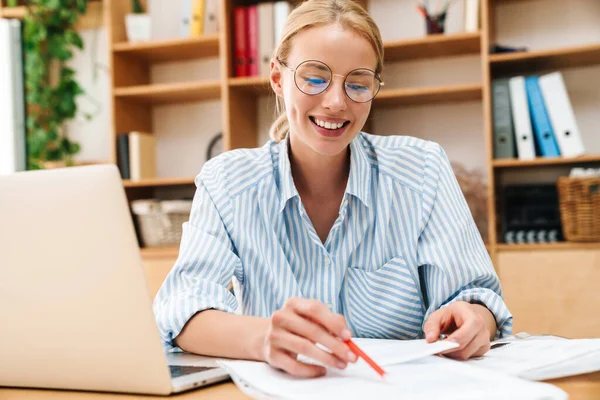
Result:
160,252
548,246
13,12
428,95
158,182
528,61
169,93
257,85
433,46
541,161
171,50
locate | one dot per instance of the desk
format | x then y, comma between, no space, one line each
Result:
580,387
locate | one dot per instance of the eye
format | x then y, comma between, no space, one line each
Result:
315,81
358,87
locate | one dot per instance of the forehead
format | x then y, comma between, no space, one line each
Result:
342,49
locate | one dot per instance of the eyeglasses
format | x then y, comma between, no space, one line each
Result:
313,77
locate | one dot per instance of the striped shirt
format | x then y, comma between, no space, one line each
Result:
404,243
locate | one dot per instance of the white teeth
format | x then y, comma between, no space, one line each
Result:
328,125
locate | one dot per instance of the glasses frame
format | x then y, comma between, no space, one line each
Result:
381,83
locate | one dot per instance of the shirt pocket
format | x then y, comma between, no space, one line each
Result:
384,303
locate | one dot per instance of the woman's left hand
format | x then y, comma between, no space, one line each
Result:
470,325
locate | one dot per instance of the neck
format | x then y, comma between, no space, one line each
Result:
316,175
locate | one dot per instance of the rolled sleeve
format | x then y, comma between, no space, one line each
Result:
453,262
202,273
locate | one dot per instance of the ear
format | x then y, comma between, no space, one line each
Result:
275,77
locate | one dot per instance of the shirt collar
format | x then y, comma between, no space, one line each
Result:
359,180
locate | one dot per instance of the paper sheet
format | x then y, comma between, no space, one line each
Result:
426,378
389,352
530,357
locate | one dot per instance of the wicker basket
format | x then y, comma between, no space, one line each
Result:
580,208
160,222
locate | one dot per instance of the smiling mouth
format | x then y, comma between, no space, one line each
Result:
328,125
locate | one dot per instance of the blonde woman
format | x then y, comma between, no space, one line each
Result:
326,231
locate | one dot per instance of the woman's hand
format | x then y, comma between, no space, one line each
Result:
296,328
470,325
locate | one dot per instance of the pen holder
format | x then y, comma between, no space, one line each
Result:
435,23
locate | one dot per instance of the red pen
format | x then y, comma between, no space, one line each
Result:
359,353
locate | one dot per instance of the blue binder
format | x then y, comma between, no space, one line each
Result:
540,120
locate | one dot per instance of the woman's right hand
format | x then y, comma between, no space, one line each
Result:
296,328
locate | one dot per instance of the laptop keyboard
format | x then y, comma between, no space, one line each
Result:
180,370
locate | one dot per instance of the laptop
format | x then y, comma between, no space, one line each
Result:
75,311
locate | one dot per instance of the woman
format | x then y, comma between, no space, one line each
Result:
329,232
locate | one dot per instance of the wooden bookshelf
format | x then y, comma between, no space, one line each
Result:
170,93
524,62
431,95
257,85
156,182
541,161
548,246
433,46
159,252
170,50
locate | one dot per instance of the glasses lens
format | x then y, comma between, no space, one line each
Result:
362,85
312,77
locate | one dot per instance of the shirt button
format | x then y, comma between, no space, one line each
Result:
327,261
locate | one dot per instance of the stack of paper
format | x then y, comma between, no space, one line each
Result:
427,377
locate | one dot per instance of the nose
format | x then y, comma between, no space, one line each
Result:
335,97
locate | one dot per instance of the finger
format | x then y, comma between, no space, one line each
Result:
320,313
465,333
474,348
314,332
298,345
433,326
291,365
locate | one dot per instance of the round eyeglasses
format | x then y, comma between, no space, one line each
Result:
313,77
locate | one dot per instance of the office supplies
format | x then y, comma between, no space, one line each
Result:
504,142
541,357
521,119
361,354
81,315
562,117
539,117
429,377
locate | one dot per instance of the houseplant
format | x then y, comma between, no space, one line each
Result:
137,23
51,88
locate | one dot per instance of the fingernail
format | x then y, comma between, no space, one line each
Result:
429,335
351,356
452,339
341,365
346,334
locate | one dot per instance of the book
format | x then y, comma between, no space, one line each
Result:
142,156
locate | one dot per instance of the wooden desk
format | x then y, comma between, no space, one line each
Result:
581,387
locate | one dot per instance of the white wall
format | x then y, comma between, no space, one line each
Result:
183,131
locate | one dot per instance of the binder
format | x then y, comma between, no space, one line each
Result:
186,17
521,119
561,115
504,146
266,37
281,10
252,40
211,17
471,15
197,22
142,156
539,117
240,32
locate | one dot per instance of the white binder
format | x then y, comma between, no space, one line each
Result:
521,119
561,115
266,37
185,21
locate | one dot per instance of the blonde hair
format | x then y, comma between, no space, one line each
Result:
315,13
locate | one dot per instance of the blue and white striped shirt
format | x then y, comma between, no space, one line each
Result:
404,243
